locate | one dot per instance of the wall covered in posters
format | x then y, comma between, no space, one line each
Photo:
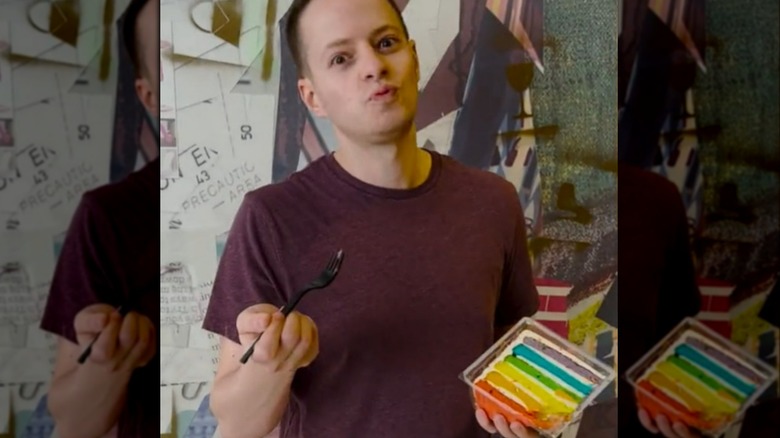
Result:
72,77
512,87
714,134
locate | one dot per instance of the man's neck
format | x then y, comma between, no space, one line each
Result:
399,165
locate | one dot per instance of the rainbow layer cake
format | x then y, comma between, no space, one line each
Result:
537,382
698,382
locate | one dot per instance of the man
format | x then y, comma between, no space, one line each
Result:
657,273
104,265
435,261
658,283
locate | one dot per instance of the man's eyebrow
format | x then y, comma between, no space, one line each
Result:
377,31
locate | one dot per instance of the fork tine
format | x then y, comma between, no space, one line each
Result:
331,262
339,258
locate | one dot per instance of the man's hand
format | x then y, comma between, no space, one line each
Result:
122,344
86,400
662,425
501,426
250,399
286,344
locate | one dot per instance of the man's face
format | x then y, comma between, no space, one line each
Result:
361,72
148,37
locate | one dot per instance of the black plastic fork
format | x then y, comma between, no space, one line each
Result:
324,279
123,310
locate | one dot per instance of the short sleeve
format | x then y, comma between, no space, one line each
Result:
519,297
245,275
81,277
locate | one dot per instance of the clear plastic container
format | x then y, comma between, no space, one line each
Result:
698,377
553,398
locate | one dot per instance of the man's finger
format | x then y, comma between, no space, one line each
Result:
305,343
128,333
291,333
648,424
291,337
485,422
314,348
665,427
682,430
151,350
105,346
503,427
94,309
140,349
90,323
268,346
522,431
252,323
150,342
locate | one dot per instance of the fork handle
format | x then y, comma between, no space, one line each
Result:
286,310
88,351
290,306
123,310
250,351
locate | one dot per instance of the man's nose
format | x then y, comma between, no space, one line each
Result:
373,65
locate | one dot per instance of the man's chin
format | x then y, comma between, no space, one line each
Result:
391,128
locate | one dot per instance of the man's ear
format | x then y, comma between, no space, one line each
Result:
147,96
309,97
416,59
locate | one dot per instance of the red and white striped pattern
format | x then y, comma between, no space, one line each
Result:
553,301
716,305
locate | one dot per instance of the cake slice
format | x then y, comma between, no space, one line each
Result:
535,377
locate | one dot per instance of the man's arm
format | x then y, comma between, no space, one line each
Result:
518,296
247,400
250,399
84,401
87,399
101,394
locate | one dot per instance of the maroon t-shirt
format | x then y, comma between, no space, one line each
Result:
111,255
427,276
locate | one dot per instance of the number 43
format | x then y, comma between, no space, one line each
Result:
203,177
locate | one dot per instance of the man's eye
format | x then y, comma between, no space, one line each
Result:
387,42
338,59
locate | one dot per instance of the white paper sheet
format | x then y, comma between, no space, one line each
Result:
166,410
184,365
193,38
194,257
32,38
5,410
27,259
433,27
229,153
